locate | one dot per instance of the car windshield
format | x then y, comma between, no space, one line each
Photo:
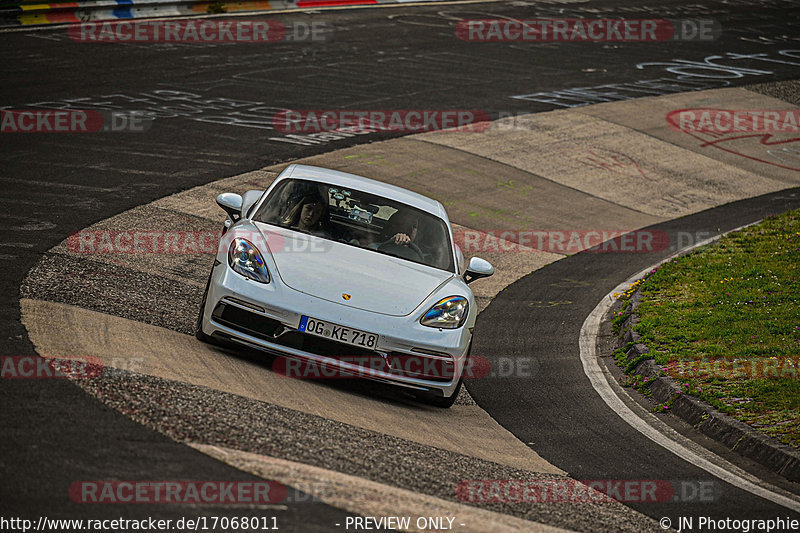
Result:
359,219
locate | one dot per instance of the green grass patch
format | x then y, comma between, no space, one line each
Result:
620,354
640,383
725,323
621,315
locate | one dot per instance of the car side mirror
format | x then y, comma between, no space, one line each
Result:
232,204
478,268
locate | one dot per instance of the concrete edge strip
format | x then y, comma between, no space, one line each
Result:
368,498
736,435
648,424
480,437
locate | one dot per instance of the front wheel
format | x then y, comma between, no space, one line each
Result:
446,403
198,329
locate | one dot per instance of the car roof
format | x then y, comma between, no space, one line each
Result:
344,179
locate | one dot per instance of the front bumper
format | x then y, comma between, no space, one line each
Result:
267,317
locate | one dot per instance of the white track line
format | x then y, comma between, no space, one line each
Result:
665,436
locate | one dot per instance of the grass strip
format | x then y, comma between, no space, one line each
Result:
724,321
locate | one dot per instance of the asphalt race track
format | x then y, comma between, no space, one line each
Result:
214,105
593,445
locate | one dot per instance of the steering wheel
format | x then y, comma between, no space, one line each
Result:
410,251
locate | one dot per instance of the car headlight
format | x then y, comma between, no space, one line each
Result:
449,313
244,258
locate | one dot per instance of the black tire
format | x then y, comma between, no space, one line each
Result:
440,401
446,403
198,328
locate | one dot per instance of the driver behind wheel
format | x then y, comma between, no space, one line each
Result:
401,229
407,229
399,235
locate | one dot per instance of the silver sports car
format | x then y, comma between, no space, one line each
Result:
340,275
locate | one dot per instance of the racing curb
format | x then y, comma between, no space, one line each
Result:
735,435
28,14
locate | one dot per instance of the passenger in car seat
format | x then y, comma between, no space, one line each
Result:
309,214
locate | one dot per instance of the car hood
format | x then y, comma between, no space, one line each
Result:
351,276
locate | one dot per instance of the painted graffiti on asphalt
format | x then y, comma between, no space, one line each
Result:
712,72
168,104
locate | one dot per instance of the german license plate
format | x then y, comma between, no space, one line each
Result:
334,332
